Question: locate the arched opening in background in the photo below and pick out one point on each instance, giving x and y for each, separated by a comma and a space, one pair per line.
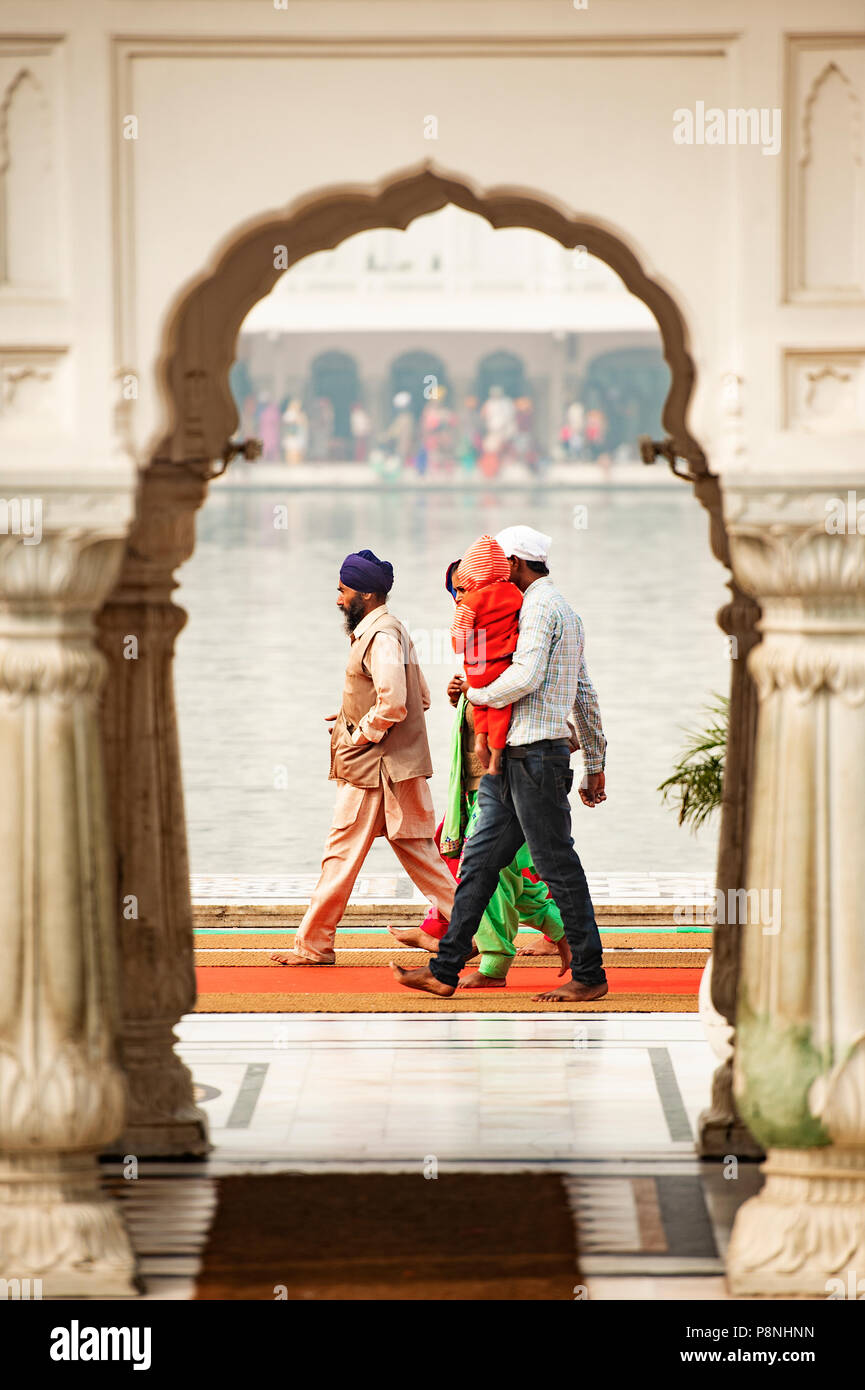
502, 369
628, 385
334, 378
420, 374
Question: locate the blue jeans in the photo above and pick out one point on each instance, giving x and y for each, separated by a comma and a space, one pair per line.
527, 801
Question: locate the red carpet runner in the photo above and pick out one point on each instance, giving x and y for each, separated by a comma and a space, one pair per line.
362, 989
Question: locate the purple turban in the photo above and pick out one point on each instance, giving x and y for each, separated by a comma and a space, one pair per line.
367, 573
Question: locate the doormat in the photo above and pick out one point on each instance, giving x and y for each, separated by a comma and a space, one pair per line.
380, 1236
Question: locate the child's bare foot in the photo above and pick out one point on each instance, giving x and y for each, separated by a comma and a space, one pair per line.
550, 948
478, 981
495, 766
544, 947
482, 749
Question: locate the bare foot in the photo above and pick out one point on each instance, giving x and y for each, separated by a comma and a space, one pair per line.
495, 766
543, 947
572, 992
482, 750
421, 979
478, 981
415, 936
564, 951
559, 948
292, 958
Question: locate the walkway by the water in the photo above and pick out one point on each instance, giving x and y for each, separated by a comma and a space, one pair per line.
303, 476
616, 888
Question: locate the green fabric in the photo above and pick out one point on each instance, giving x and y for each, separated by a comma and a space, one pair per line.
515, 900
455, 810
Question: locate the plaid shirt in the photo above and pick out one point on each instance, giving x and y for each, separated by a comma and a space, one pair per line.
547, 681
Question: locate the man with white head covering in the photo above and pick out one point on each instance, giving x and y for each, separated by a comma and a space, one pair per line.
548, 685
525, 543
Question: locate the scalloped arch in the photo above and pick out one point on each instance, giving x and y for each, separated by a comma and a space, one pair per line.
205, 320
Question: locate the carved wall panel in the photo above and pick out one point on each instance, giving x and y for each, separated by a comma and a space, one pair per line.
31, 252
825, 391
825, 195
34, 392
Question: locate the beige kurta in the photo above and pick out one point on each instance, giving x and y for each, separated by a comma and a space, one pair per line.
408, 806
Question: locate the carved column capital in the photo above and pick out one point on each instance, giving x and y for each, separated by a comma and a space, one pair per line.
809, 579
785, 541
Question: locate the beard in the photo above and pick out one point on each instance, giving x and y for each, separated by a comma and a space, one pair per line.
352, 614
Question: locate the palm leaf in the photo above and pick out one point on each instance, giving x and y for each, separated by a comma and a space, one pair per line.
697, 779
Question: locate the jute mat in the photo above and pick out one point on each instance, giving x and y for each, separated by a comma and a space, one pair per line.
460, 1236
369, 940
410, 1002
360, 915
671, 960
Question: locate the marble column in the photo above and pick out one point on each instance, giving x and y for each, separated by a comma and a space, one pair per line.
62, 1093
721, 1131
799, 1066
153, 911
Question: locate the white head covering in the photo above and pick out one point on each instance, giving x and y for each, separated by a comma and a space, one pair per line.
525, 543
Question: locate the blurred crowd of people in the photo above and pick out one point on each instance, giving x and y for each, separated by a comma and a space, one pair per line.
584, 433
285, 429
479, 437
290, 433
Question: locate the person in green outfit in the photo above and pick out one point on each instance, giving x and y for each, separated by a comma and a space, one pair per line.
520, 896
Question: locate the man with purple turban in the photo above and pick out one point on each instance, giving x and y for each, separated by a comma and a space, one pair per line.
380, 760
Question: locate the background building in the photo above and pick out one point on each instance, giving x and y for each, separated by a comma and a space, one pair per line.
453, 299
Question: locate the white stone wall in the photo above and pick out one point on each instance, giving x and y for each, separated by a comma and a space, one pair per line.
574, 104
242, 107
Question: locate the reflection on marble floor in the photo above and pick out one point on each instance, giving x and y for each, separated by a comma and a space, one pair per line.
611, 1102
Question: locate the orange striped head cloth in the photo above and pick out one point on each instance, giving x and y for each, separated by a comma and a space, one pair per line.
483, 563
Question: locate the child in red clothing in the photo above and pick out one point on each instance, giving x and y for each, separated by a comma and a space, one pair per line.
484, 632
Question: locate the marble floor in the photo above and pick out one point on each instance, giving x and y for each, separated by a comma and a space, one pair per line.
610, 1102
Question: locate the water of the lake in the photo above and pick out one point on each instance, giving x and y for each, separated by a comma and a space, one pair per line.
261, 660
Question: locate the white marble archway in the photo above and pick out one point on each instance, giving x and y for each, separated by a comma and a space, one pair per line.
138, 706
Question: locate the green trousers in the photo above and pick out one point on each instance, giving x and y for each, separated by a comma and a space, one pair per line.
515, 900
